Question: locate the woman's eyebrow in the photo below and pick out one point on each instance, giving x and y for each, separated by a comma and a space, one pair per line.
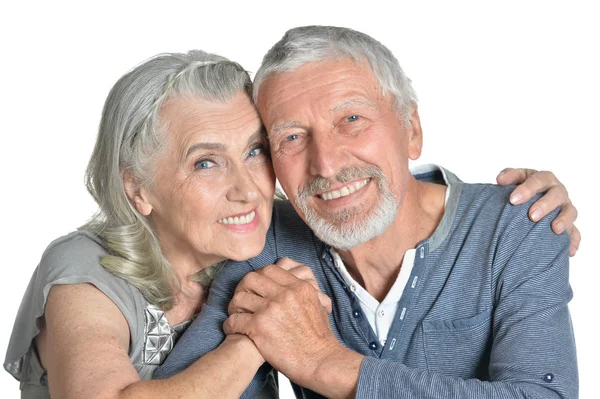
256, 136
205, 146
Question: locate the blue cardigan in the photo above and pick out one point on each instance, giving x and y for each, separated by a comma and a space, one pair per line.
484, 314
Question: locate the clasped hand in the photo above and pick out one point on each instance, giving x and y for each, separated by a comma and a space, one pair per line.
281, 309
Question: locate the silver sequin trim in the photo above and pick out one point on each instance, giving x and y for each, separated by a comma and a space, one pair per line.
159, 336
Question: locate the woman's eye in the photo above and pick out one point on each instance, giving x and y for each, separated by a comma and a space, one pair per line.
352, 118
292, 137
204, 164
256, 151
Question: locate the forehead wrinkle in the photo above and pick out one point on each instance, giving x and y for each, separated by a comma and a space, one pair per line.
177, 122
190, 130
346, 80
211, 121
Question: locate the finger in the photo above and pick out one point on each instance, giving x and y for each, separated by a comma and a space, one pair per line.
309, 290
535, 183
302, 272
287, 263
575, 240
305, 273
278, 275
238, 323
565, 219
325, 302
309, 279
555, 197
314, 283
245, 302
258, 284
513, 176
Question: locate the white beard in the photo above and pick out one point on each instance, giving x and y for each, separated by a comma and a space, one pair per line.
347, 229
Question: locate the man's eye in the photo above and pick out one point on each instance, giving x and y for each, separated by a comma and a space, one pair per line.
204, 164
292, 137
352, 118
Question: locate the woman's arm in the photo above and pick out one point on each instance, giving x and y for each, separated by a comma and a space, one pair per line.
84, 347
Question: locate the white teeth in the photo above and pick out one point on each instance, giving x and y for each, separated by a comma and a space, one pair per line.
344, 191
244, 219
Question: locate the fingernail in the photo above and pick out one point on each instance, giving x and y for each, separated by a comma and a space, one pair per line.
515, 198
536, 215
573, 251
501, 172
560, 227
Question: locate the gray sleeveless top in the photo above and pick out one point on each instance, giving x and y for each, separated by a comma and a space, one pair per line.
74, 259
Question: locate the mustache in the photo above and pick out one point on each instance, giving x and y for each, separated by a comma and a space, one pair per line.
319, 184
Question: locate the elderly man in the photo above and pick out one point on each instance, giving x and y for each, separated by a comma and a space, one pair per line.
438, 289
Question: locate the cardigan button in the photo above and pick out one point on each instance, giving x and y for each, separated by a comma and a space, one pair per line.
548, 377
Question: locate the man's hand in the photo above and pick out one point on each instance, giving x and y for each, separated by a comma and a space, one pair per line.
304, 272
284, 317
532, 182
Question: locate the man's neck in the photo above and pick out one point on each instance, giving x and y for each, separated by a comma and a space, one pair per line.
376, 263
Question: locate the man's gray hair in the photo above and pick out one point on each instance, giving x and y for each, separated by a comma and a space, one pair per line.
130, 137
306, 44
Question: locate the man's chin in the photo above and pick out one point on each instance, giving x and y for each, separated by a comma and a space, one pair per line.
344, 219
341, 235
352, 231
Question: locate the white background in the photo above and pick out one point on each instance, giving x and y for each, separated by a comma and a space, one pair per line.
510, 84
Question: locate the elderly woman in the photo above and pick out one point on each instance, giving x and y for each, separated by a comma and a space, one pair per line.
183, 181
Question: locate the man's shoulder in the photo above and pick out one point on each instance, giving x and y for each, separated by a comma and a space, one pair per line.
284, 213
487, 206
286, 223
491, 201
288, 236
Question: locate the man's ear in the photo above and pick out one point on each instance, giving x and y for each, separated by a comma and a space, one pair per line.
137, 195
415, 134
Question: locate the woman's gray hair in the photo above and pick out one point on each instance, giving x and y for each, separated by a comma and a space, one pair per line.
306, 44
129, 138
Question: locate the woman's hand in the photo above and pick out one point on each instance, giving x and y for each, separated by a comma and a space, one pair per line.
304, 272
245, 300
531, 182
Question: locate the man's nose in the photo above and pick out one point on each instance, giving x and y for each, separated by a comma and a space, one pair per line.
326, 155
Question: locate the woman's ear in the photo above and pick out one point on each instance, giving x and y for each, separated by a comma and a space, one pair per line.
136, 194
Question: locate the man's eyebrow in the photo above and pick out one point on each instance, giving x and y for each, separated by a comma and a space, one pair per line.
351, 103
287, 125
